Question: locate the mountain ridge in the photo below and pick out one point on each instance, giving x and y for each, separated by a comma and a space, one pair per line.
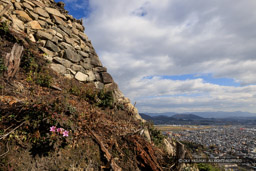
218, 114
190, 119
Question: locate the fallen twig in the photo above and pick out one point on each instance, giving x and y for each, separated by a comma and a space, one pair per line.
145, 152
6, 151
131, 133
108, 156
5, 135
55, 87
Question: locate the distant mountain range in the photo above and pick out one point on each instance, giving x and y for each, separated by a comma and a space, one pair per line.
192, 119
175, 117
218, 114
166, 119
186, 116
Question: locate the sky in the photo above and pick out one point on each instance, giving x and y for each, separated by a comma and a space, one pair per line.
176, 55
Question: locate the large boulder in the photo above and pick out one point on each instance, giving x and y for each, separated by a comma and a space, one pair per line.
66, 30
41, 12
81, 76
95, 61
84, 54
54, 11
91, 76
106, 77
35, 25
77, 68
23, 15
52, 46
43, 35
71, 55
59, 20
169, 148
62, 61
17, 24
28, 6
33, 15
58, 68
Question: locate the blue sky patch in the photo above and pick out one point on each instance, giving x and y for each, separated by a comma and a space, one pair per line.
78, 9
208, 78
140, 12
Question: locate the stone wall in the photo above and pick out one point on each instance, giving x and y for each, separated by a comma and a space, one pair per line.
61, 39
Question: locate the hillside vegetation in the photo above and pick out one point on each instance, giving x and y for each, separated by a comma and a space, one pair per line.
100, 133
59, 108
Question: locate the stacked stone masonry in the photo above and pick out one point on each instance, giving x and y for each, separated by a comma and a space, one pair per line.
60, 36
62, 40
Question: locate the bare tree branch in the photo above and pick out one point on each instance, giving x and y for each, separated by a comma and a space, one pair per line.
5, 135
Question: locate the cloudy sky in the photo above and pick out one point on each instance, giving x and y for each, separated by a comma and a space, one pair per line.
176, 55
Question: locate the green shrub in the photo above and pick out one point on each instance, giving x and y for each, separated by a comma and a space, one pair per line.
75, 90
206, 167
4, 27
35, 121
2, 67
89, 95
43, 78
36, 72
100, 98
156, 136
28, 62
106, 99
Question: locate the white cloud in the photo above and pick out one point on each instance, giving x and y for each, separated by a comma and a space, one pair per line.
139, 38
191, 95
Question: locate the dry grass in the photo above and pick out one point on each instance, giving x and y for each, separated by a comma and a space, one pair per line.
117, 129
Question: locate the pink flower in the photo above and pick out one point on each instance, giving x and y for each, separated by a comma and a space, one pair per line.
65, 133
53, 128
60, 130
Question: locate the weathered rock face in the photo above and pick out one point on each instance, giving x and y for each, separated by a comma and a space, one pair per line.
62, 40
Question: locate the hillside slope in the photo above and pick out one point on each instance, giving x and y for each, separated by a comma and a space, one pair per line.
59, 108
38, 101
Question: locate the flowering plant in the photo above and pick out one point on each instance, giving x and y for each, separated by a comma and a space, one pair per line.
59, 130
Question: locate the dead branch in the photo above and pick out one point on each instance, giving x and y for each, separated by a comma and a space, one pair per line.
145, 152
6, 151
12, 61
55, 87
108, 156
5, 135
131, 133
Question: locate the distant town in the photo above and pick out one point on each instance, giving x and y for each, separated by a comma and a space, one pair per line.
214, 138
228, 142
